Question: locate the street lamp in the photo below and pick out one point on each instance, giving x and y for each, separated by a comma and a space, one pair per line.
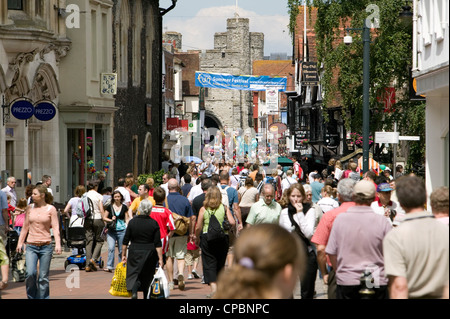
366, 85
406, 15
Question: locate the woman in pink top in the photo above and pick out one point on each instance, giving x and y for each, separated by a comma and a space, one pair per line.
39, 218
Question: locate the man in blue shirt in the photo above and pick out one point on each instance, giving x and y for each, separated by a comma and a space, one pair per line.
4, 216
316, 187
180, 205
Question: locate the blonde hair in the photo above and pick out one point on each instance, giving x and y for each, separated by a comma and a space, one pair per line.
150, 182
129, 181
330, 191
213, 198
80, 190
261, 252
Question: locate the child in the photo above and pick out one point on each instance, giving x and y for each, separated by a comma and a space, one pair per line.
192, 257
164, 218
19, 215
11, 210
327, 202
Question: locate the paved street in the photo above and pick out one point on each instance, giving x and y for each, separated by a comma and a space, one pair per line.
95, 285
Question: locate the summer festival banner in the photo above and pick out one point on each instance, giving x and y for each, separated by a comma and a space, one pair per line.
239, 82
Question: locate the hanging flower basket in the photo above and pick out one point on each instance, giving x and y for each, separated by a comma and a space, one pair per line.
357, 140
304, 141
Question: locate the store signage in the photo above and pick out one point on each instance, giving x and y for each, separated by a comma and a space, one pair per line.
301, 140
310, 74
172, 123
44, 111
22, 109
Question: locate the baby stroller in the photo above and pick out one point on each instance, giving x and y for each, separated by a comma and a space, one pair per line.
18, 268
17, 264
76, 238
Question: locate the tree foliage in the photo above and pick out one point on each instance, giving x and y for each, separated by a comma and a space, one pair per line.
342, 65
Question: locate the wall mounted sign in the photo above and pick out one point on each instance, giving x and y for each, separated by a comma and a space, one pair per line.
44, 111
108, 83
180, 108
22, 109
310, 74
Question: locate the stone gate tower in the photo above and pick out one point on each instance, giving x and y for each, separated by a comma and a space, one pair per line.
234, 52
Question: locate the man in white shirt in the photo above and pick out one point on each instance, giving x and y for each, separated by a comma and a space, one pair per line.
207, 168
165, 180
11, 190
383, 205
125, 193
288, 181
47, 181
197, 189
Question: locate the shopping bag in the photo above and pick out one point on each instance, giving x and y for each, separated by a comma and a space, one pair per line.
159, 288
119, 282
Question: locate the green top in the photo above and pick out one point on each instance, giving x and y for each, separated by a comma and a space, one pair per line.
261, 213
219, 213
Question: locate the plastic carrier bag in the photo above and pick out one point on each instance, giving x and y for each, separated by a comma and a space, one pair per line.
159, 288
119, 282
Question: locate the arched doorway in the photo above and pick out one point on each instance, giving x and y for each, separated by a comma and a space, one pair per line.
212, 124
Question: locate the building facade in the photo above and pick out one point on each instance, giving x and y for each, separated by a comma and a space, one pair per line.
86, 127
137, 51
33, 44
431, 72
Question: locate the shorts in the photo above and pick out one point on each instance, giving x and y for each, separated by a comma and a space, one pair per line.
4, 260
177, 247
192, 256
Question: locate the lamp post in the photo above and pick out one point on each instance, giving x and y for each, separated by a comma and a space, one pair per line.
366, 86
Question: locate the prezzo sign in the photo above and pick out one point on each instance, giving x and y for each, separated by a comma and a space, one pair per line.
23, 109
44, 111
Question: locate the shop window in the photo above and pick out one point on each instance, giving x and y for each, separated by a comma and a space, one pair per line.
15, 5
88, 155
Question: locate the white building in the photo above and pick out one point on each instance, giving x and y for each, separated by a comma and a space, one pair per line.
33, 42
430, 69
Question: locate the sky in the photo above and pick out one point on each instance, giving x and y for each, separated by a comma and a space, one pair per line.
199, 20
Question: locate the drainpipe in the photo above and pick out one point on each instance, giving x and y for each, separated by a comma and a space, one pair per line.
164, 11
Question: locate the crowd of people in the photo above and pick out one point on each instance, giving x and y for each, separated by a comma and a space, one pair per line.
278, 224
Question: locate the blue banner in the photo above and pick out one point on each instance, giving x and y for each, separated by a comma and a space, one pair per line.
239, 82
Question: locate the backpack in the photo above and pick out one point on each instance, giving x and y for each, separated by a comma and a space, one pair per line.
215, 230
85, 207
181, 224
225, 199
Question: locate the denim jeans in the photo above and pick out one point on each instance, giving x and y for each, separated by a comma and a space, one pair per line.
112, 237
38, 286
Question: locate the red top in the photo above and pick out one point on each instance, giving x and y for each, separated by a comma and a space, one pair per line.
164, 218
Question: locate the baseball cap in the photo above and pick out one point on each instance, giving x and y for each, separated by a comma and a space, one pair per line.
384, 187
365, 188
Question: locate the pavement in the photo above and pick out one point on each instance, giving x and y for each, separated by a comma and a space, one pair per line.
79, 284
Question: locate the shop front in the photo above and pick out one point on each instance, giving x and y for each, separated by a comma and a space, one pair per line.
86, 146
